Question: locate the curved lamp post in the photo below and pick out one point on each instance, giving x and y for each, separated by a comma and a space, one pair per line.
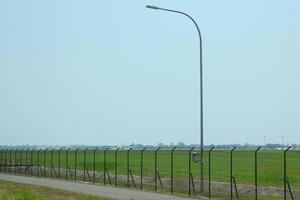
201, 89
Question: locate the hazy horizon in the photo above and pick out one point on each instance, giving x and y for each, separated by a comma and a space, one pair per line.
180, 144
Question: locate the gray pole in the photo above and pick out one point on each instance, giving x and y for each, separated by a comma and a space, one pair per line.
201, 90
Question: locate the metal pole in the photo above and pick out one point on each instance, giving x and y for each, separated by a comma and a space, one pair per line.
16, 151
38, 162
231, 193
116, 166
104, 168
172, 167
94, 166
128, 166
20, 161
1, 159
209, 171
201, 91
26, 157
51, 165
9, 153
155, 168
142, 166
45, 154
59, 153
84, 163
67, 162
255, 172
284, 170
75, 173
5, 160
31, 160
10, 161
20, 169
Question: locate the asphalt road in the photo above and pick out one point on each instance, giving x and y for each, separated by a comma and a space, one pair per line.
95, 190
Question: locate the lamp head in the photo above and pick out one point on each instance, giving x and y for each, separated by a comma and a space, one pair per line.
152, 7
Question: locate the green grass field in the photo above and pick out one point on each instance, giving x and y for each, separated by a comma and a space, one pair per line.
270, 164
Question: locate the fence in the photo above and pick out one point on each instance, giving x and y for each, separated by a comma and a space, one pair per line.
165, 170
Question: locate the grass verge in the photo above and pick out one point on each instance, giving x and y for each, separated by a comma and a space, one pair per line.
17, 191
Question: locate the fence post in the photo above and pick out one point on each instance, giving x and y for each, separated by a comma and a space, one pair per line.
45, 154
231, 193
128, 160
116, 166
209, 171
38, 162
51, 163
16, 160
8, 165
142, 167
190, 169
284, 170
20, 169
172, 167
155, 166
17, 170
75, 173
1, 159
59, 152
255, 171
29, 167
31, 162
5, 160
67, 162
16, 152
10, 161
26, 158
104, 168
84, 163
94, 166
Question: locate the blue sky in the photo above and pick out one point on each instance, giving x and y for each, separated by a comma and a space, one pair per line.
114, 72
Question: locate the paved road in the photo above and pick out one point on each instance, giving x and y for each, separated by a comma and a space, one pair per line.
95, 190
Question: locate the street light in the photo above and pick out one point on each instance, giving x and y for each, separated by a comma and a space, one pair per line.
201, 89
